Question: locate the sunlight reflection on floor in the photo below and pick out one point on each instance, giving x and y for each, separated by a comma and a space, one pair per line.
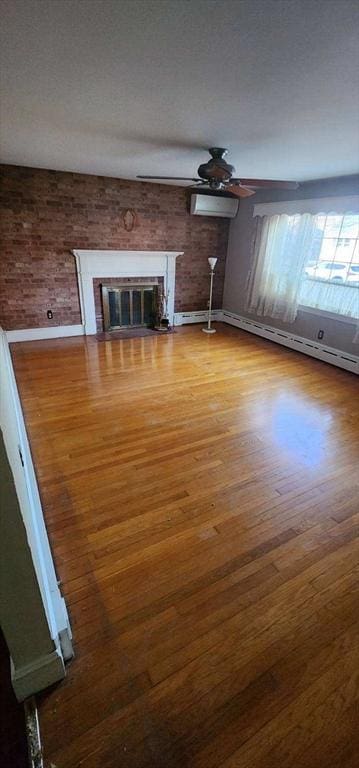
300, 428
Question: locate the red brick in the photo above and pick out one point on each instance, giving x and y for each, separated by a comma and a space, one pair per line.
46, 214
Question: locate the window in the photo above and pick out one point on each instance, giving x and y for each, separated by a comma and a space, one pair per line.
331, 275
305, 259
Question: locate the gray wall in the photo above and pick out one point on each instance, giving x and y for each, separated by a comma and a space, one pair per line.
22, 616
20, 598
337, 333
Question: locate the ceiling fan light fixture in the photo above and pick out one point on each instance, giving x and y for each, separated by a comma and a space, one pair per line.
218, 176
216, 169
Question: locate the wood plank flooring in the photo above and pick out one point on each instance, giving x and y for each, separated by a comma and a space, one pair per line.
201, 496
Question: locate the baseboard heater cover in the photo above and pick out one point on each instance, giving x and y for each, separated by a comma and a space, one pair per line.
298, 343
198, 316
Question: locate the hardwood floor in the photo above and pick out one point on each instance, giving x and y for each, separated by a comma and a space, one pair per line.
201, 496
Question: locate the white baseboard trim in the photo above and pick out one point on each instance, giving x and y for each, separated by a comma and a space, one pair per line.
200, 316
308, 347
34, 677
39, 664
52, 332
61, 331
329, 354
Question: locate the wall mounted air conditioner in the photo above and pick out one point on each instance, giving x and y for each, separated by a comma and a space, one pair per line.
210, 205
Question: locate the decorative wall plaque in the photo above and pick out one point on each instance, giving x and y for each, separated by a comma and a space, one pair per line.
129, 220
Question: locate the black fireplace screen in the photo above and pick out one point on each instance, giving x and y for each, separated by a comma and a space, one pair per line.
127, 306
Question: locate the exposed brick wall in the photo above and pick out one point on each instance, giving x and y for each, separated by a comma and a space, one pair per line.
46, 214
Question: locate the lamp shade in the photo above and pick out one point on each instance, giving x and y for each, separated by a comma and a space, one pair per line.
212, 261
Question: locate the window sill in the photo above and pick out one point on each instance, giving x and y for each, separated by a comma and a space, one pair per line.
330, 315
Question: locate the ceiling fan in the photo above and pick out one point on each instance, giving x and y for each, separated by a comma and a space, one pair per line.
217, 176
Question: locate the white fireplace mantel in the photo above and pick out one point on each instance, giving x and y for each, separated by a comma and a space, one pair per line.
102, 264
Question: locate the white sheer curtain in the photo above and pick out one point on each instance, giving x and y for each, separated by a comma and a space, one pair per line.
330, 296
305, 259
281, 250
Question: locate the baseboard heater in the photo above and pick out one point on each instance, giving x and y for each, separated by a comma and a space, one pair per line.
197, 316
298, 343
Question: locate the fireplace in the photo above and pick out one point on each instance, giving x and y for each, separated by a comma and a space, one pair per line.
126, 265
128, 306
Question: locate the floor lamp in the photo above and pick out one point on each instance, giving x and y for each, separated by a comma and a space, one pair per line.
212, 263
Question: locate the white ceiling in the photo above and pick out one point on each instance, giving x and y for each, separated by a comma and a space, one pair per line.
121, 87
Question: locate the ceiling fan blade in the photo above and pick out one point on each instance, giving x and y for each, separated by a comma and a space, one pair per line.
273, 184
170, 178
239, 191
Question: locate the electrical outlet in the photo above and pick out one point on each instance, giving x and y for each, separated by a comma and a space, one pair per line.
320, 334
49, 314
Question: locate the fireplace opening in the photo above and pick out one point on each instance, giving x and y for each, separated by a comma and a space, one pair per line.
129, 306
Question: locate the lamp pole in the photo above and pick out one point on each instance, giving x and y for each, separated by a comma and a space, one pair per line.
212, 263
